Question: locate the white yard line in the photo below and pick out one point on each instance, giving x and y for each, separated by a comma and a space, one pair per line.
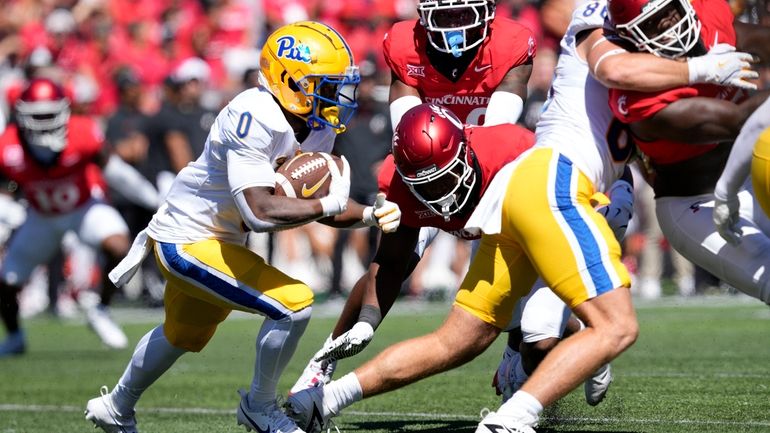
417, 415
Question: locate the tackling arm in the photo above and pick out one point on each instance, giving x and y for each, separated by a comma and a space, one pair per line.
698, 120
617, 68
373, 295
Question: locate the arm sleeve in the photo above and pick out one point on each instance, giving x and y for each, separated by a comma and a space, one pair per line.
739, 163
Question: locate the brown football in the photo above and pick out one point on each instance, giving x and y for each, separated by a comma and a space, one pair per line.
306, 175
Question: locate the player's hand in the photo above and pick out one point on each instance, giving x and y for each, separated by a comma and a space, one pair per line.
339, 189
384, 214
347, 344
726, 219
621, 208
724, 66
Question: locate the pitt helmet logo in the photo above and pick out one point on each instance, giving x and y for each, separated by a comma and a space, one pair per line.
288, 48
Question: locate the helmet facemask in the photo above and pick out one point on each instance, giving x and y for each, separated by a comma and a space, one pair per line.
333, 99
444, 191
43, 126
455, 26
646, 31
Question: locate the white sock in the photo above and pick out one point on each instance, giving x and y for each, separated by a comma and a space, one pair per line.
341, 393
276, 343
152, 357
523, 407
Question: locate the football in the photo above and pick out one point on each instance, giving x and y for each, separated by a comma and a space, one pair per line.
306, 175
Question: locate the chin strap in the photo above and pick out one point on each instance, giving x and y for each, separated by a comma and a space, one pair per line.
455, 39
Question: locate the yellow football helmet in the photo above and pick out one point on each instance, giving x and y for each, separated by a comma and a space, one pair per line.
309, 69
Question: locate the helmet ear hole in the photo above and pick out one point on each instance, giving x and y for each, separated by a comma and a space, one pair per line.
292, 85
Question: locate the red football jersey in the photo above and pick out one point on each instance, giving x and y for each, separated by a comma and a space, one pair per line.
66, 185
494, 146
629, 106
508, 44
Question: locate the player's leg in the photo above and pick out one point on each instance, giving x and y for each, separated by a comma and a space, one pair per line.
104, 229
484, 305
547, 210
34, 243
689, 228
206, 280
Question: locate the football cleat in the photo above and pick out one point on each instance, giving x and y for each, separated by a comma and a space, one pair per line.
315, 374
307, 409
596, 386
102, 413
270, 419
14, 344
109, 332
496, 423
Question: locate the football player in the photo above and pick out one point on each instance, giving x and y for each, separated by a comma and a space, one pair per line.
55, 158
686, 134
306, 95
457, 54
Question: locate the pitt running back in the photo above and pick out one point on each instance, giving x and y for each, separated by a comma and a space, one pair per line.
306, 95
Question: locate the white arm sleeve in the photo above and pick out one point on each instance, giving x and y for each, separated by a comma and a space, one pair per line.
503, 107
739, 163
401, 106
126, 180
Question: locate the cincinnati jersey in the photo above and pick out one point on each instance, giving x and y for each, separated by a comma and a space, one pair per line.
494, 146
716, 27
576, 119
508, 44
249, 139
70, 182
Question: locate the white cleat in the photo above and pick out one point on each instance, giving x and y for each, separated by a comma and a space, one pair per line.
596, 386
102, 413
270, 419
507, 380
307, 409
108, 331
315, 374
14, 344
496, 423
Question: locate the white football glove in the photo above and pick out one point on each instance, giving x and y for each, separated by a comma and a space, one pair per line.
347, 344
724, 66
621, 208
339, 189
385, 214
726, 218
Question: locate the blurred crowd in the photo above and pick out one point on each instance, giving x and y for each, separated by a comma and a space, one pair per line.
155, 72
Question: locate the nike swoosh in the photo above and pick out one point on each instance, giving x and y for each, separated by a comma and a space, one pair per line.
479, 69
254, 424
307, 192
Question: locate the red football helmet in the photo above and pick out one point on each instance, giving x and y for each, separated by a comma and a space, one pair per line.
455, 26
666, 28
42, 112
433, 159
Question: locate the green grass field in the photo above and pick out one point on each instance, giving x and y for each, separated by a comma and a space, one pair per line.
697, 367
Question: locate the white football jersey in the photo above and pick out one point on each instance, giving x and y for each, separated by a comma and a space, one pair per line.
576, 119
248, 140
